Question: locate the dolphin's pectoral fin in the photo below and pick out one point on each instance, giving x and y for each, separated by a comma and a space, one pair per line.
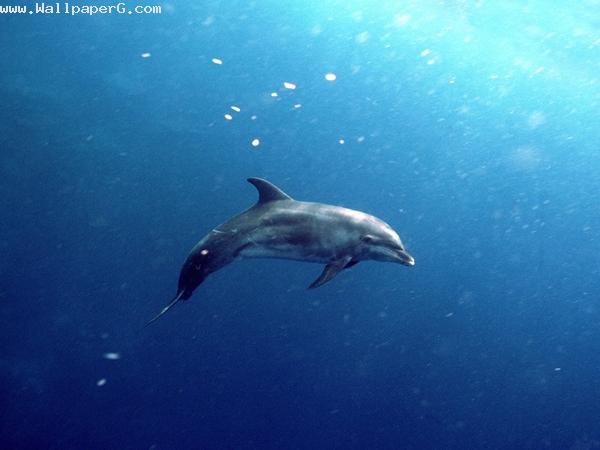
330, 271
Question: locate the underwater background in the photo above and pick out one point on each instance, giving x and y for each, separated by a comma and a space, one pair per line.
472, 127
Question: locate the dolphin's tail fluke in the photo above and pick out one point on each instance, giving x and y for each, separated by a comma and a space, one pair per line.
166, 308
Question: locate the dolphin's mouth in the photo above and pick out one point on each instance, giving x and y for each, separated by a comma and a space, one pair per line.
405, 258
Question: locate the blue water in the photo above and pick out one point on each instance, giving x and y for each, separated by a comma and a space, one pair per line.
470, 126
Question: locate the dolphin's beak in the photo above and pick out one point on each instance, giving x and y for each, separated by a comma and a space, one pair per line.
404, 258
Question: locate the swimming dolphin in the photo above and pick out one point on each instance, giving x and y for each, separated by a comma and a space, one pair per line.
278, 226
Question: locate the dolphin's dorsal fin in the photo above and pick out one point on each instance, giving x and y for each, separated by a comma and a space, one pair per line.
268, 192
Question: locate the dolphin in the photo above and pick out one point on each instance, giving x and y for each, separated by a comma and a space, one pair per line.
278, 226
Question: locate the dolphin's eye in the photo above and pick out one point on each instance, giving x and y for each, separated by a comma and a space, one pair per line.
368, 238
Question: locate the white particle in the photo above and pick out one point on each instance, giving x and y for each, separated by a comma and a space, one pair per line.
341, 141
228, 116
450, 314
330, 76
112, 355
101, 382
557, 369
253, 117
361, 38
236, 108
146, 55
425, 52
255, 142
538, 71
431, 61
217, 61
204, 252
402, 20
289, 85
360, 139
273, 94
536, 119
297, 105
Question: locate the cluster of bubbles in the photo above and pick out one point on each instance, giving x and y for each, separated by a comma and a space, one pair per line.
255, 141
